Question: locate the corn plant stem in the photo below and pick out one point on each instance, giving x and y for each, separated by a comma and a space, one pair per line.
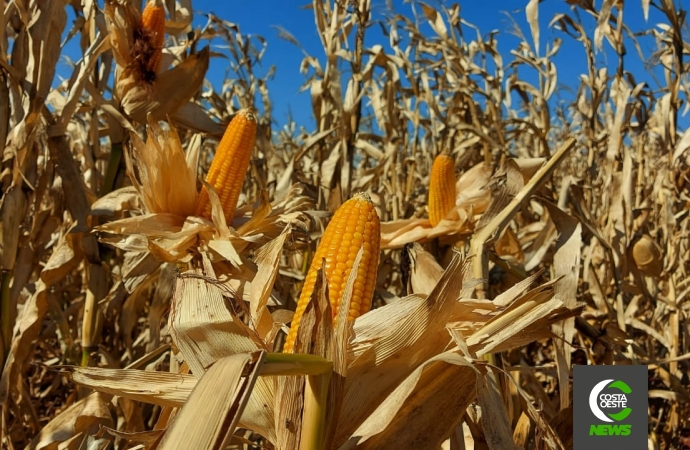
318, 372
112, 169
487, 154
78, 205
85, 358
91, 320
314, 417
4, 106
487, 235
295, 364
88, 327
5, 312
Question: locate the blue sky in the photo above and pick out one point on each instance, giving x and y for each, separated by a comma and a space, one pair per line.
261, 17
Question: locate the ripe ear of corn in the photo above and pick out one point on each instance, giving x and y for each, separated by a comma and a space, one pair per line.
153, 30
441, 188
230, 164
354, 225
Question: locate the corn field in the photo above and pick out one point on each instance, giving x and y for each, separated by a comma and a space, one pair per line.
422, 269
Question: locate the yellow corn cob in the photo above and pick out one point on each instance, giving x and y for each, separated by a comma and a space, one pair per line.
354, 225
230, 164
153, 25
441, 188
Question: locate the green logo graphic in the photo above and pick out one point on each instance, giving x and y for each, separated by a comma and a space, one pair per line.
597, 400
609, 407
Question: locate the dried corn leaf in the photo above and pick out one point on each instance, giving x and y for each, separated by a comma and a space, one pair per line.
158, 388
523, 321
12, 210
398, 233
267, 261
116, 202
567, 268
80, 420
140, 437
209, 417
194, 117
494, 419
66, 256
27, 328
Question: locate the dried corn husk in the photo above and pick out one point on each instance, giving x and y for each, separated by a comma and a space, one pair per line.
138, 92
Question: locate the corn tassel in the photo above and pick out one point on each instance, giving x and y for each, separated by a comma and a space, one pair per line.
354, 225
229, 166
153, 26
441, 188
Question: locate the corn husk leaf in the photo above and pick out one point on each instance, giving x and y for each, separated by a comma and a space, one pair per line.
471, 200
205, 330
139, 96
115, 203
421, 330
170, 91
425, 272
313, 337
446, 382
414, 326
164, 176
203, 327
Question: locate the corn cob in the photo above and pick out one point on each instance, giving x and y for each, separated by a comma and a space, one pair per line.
354, 225
230, 164
441, 188
153, 27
